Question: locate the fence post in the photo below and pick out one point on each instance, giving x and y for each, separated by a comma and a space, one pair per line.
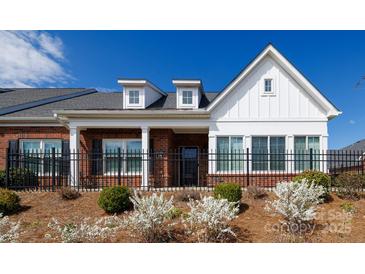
53, 168
119, 166
247, 166
7, 167
311, 159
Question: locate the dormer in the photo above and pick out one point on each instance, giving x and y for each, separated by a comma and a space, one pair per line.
139, 93
188, 93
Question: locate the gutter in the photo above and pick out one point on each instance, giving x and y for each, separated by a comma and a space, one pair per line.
128, 114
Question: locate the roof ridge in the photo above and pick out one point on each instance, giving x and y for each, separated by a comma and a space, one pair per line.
45, 101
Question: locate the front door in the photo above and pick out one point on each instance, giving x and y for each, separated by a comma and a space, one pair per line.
189, 165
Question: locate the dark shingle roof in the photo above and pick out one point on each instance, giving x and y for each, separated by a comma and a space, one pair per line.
358, 146
94, 101
19, 96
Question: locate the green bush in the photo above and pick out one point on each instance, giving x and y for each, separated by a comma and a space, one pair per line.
115, 199
317, 178
230, 191
2, 178
19, 177
9, 201
349, 185
175, 212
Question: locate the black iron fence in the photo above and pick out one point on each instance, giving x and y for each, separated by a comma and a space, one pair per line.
170, 170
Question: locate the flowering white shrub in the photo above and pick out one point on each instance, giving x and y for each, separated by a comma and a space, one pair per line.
209, 219
86, 231
296, 201
150, 216
9, 231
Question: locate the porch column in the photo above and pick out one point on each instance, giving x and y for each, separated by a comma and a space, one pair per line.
145, 152
290, 155
212, 154
74, 149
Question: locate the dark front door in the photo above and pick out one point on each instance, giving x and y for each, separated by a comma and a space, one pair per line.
189, 165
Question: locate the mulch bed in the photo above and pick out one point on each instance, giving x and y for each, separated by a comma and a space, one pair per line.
253, 225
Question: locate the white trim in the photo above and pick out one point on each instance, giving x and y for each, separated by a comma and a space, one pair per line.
271, 51
140, 83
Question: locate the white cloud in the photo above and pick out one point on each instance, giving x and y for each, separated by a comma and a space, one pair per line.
31, 58
352, 122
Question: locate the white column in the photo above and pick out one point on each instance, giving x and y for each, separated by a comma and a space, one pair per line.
290, 149
324, 148
145, 152
212, 147
74, 149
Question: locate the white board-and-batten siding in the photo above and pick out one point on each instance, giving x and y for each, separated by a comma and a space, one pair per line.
289, 111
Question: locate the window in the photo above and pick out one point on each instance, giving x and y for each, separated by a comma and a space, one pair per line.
268, 85
302, 147
133, 97
268, 153
38, 154
230, 153
187, 97
129, 161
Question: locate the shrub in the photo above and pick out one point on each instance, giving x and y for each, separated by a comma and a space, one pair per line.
20, 177
317, 178
2, 178
115, 199
9, 201
229, 191
296, 202
8, 230
186, 195
68, 193
87, 231
256, 192
149, 219
348, 185
348, 207
175, 212
208, 219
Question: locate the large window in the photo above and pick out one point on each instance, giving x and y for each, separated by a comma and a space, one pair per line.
230, 153
134, 97
129, 161
268, 153
38, 154
303, 145
187, 97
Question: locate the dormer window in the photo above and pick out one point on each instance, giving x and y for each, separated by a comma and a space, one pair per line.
268, 86
134, 97
187, 97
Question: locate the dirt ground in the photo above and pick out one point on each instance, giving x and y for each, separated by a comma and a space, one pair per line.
253, 225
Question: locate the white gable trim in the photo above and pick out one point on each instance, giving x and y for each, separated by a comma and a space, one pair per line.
331, 110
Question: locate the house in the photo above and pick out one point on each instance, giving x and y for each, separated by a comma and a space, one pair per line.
269, 106
348, 159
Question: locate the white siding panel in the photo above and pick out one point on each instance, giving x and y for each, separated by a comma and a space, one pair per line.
247, 101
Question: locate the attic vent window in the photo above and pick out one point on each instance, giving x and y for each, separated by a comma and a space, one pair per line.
268, 85
187, 97
133, 97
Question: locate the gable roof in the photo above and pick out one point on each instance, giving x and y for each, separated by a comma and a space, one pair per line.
271, 51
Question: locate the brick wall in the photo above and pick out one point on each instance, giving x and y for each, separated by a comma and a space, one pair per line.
15, 133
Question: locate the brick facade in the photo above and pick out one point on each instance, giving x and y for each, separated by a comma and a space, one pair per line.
166, 166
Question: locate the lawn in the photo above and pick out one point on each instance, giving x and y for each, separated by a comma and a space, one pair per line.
253, 224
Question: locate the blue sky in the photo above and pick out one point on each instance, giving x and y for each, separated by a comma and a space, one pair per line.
334, 61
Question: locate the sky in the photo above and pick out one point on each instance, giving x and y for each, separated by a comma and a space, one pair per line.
332, 60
